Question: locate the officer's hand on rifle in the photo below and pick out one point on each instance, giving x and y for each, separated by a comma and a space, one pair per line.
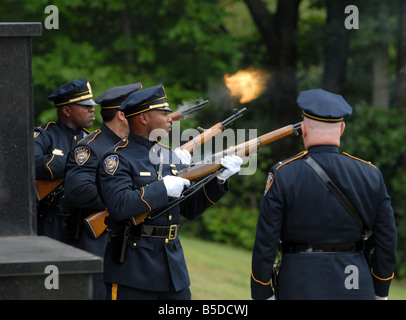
183, 155
232, 165
174, 185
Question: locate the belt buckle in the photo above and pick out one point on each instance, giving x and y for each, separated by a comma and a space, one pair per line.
173, 232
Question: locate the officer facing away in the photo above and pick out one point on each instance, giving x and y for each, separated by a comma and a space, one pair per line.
53, 142
322, 243
80, 184
137, 176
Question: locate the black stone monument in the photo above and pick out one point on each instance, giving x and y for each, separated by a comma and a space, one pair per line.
31, 267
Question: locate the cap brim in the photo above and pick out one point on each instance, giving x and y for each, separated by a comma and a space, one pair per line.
87, 102
163, 109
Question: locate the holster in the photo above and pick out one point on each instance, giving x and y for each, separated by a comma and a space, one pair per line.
368, 250
120, 233
74, 223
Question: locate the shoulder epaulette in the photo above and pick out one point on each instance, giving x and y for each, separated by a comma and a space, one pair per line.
358, 159
121, 144
163, 145
46, 125
298, 156
90, 137
42, 128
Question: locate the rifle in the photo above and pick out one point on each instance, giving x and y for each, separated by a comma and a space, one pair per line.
95, 223
45, 187
180, 114
211, 165
188, 146
191, 145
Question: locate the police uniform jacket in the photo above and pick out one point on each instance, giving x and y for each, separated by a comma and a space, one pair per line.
83, 197
81, 189
299, 208
129, 184
52, 143
80, 184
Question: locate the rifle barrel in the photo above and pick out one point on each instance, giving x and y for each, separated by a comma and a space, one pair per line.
237, 114
181, 113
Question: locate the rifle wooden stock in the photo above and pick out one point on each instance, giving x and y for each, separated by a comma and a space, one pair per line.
241, 150
45, 187
95, 223
191, 145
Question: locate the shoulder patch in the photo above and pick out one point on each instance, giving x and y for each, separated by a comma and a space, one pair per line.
358, 159
110, 164
269, 182
81, 155
298, 156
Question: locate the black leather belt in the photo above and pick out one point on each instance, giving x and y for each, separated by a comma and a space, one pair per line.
169, 232
291, 247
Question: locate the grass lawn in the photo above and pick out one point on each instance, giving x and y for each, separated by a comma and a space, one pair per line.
222, 272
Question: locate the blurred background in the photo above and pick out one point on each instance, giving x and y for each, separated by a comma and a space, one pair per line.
215, 49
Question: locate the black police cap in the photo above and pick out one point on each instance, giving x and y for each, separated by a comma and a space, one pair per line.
112, 98
153, 98
77, 91
321, 105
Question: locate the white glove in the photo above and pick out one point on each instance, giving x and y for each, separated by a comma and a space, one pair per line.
381, 298
232, 165
184, 156
174, 185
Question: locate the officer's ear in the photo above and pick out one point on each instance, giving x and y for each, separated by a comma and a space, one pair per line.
342, 128
66, 111
143, 118
120, 115
304, 129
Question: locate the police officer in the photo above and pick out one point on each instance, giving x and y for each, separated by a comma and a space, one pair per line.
53, 142
321, 242
80, 184
138, 176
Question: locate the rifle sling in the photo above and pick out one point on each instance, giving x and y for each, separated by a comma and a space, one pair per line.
343, 199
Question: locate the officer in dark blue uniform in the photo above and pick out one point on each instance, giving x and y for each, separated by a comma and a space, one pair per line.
138, 176
321, 242
53, 142
80, 183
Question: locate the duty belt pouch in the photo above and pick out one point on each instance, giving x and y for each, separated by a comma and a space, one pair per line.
119, 238
369, 243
